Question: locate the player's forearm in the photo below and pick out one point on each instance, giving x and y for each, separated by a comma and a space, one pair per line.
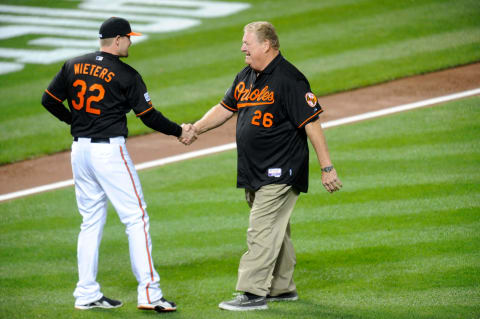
215, 117
155, 120
56, 108
317, 138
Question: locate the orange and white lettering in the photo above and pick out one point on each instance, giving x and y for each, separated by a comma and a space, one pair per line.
77, 68
81, 94
93, 98
85, 68
109, 77
97, 69
92, 69
256, 117
238, 90
255, 97
103, 73
267, 120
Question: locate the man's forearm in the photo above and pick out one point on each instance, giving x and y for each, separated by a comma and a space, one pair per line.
215, 117
317, 138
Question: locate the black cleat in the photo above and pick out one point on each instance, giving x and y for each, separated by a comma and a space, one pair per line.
103, 302
161, 305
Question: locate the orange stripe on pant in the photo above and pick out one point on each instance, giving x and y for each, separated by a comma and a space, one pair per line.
144, 223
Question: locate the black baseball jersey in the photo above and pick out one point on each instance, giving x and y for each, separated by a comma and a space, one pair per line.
273, 108
100, 90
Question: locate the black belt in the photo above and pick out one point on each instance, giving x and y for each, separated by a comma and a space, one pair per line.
96, 140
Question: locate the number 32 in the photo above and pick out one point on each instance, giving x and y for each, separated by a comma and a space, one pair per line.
93, 98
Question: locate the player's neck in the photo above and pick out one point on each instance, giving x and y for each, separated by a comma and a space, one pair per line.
110, 50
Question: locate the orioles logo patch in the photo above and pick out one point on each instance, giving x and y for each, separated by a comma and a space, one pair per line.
311, 99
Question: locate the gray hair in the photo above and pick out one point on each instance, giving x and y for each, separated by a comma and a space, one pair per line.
264, 31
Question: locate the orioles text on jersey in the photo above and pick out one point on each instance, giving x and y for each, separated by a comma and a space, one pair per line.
255, 97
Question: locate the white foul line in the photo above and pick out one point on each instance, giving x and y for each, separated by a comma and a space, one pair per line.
230, 146
401, 108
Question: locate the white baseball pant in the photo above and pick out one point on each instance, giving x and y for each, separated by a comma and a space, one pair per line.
105, 171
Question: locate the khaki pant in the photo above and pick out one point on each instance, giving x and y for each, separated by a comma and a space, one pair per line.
267, 267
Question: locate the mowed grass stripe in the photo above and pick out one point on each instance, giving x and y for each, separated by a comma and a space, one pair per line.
455, 193
322, 34
429, 151
331, 276
394, 212
415, 300
211, 241
387, 238
390, 51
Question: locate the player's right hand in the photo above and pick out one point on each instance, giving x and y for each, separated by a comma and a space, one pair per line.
189, 134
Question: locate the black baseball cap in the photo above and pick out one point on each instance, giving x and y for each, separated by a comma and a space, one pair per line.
114, 26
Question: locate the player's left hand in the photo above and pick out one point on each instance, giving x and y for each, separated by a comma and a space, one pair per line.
330, 181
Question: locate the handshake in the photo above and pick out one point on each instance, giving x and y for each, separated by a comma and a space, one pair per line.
189, 134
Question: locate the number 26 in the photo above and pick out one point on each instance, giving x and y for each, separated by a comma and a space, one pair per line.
267, 120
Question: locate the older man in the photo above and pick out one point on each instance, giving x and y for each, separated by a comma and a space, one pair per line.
276, 112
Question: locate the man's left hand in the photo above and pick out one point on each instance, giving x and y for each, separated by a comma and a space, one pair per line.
330, 181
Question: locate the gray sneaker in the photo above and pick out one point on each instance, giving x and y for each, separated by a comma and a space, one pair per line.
288, 296
242, 303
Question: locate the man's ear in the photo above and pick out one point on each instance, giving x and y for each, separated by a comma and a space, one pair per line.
266, 46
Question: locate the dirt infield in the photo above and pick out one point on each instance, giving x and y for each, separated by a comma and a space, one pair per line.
55, 168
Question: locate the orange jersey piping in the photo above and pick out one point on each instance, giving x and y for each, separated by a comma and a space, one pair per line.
228, 107
319, 111
56, 98
140, 114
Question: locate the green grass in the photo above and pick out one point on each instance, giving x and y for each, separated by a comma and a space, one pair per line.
338, 44
401, 240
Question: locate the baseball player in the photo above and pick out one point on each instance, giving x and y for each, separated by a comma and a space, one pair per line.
100, 90
276, 112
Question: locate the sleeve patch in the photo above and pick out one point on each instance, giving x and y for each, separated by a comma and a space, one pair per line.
311, 99
147, 97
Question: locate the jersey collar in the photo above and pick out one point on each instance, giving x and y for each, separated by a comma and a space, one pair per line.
108, 55
271, 66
